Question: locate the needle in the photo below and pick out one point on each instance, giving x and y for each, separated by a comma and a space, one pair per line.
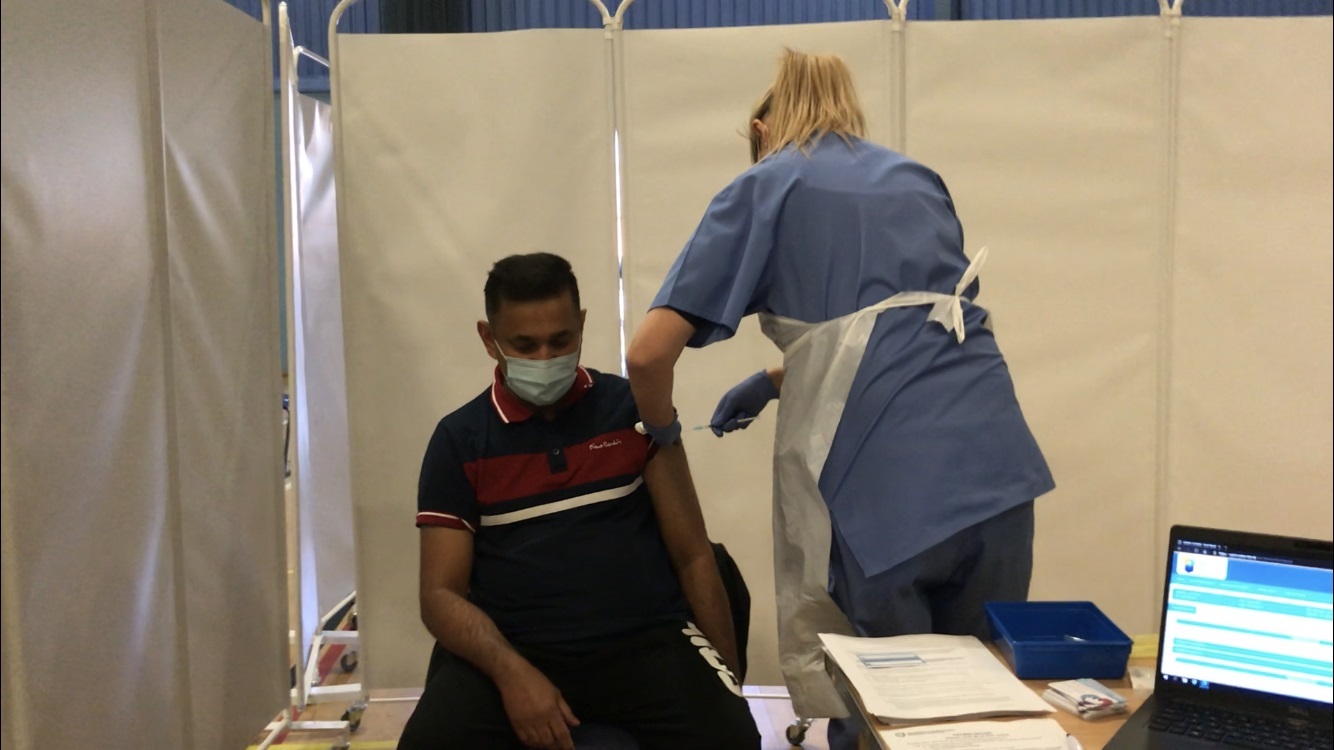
739, 422
639, 426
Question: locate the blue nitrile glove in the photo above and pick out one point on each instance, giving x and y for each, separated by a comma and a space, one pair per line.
744, 402
667, 435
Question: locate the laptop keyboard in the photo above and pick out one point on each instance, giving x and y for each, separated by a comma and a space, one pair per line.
1239, 729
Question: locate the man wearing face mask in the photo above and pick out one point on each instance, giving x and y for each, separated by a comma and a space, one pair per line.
565, 571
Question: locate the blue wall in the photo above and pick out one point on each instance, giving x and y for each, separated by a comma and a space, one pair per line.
508, 15
1012, 9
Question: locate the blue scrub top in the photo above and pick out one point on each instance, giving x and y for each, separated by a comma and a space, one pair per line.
932, 440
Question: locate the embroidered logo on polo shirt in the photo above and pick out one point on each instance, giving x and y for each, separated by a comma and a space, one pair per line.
604, 444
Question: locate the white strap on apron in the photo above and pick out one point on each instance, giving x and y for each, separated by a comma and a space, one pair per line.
949, 312
820, 361
946, 309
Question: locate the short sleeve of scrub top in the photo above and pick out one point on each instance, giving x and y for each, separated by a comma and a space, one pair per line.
724, 267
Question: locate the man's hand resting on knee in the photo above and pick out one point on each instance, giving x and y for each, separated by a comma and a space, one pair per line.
540, 716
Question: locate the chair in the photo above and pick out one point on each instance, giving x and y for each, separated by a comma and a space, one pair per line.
603, 737
738, 598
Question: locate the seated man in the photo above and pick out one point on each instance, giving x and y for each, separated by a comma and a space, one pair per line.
564, 563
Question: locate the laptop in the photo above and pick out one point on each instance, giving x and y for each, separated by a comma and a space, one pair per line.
1245, 646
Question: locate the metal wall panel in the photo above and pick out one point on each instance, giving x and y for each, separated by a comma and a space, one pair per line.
978, 10
310, 29
510, 15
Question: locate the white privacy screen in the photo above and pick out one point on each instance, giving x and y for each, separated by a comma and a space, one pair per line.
1250, 401
688, 96
82, 469
1050, 137
456, 150
218, 134
323, 478
142, 546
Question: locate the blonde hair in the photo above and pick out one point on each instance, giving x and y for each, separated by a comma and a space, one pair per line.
811, 96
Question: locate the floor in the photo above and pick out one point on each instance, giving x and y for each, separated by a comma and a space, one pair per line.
388, 710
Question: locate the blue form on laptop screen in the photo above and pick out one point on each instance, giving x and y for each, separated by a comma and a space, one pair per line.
1244, 621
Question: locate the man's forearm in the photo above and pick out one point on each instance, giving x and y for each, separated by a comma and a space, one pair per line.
703, 587
682, 523
466, 631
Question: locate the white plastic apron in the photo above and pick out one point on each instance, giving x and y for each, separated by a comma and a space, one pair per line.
819, 362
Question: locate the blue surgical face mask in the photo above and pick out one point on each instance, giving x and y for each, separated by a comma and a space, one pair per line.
541, 382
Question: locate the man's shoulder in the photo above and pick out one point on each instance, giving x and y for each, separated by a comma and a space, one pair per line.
611, 390
469, 417
612, 383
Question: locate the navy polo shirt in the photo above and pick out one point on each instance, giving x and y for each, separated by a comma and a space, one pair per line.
567, 549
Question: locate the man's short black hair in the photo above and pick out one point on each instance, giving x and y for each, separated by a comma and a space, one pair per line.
529, 278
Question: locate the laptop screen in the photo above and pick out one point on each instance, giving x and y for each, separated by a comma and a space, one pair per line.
1244, 619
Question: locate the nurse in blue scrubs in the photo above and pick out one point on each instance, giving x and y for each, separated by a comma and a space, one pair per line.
905, 472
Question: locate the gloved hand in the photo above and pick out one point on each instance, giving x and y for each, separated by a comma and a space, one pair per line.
744, 402
666, 435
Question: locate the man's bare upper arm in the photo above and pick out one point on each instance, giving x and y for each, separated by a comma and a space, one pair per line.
667, 476
446, 559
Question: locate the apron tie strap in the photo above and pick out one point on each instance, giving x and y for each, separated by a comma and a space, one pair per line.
948, 310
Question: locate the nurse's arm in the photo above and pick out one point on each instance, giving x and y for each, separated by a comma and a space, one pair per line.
651, 360
776, 374
676, 506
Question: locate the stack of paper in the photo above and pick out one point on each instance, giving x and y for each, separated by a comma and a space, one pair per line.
1087, 699
1017, 734
922, 678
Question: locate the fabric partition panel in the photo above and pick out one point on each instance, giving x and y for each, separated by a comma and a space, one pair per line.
218, 150
328, 555
92, 653
491, 145
1051, 138
687, 97
142, 545
1250, 404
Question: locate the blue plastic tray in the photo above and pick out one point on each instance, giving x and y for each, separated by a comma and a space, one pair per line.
1058, 640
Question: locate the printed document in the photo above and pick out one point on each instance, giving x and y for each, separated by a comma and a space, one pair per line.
918, 678
1021, 734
